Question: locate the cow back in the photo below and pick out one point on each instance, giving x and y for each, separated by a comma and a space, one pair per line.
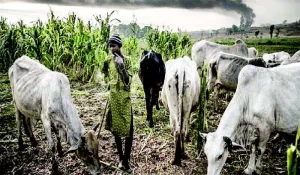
152, 68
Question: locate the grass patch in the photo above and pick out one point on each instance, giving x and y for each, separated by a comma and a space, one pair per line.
267, 45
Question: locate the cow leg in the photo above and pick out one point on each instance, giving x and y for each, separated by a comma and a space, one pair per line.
128, 146
157, 105
55, 170
172, 126
251, 165
217, 90
58, 143
28, 127
183, 155
263, 139
147, 96
153, 101
18, 119
187, 137
177, 158
58, 146
47, 126
186, 130
151, 125
156, 92
150, 106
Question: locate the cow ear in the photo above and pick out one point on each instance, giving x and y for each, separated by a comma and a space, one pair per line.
145, 52
232, 146
159, 56
237, 147
228, 143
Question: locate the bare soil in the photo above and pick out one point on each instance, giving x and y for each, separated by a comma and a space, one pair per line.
152, 150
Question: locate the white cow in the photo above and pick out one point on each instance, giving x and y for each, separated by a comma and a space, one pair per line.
203, 51
294, 59
180, 94
223, 71
264, 102
39, 93
252, 52
276, 58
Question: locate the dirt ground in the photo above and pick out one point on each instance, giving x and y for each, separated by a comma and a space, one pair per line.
152, 150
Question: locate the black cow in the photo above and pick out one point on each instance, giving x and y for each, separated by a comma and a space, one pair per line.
152, 74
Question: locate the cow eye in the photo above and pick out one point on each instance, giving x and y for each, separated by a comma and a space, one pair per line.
219, 157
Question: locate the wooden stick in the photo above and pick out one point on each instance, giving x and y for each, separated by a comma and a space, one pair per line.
111, 166
150, 134
10, 141
103, 118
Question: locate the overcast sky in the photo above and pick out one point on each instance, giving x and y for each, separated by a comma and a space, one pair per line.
266, 11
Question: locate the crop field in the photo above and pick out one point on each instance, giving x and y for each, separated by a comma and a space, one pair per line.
77, 49
267, 45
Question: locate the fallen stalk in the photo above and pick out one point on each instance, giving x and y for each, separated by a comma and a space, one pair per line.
145, 143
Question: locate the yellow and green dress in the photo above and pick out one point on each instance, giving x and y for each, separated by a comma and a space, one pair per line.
119, 113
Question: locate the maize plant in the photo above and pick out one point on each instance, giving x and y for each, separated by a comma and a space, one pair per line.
171, 45
293, 155
66, 44
202, 121
9, 47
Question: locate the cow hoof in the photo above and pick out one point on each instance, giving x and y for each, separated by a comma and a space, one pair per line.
55, 170
151, 125
176, 162
60, 154
34, 143
187, 139
256, 172
184, 156
21, 145
21, 148
248, 171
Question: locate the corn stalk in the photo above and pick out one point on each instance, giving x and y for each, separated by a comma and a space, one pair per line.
293, 155
170, 44
67, 45
202, 120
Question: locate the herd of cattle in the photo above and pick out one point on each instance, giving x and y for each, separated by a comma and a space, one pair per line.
266, 99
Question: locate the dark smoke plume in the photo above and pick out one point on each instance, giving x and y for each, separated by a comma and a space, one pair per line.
232, 5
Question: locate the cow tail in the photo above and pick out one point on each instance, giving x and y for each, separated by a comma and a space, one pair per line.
178, 136
180, 82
